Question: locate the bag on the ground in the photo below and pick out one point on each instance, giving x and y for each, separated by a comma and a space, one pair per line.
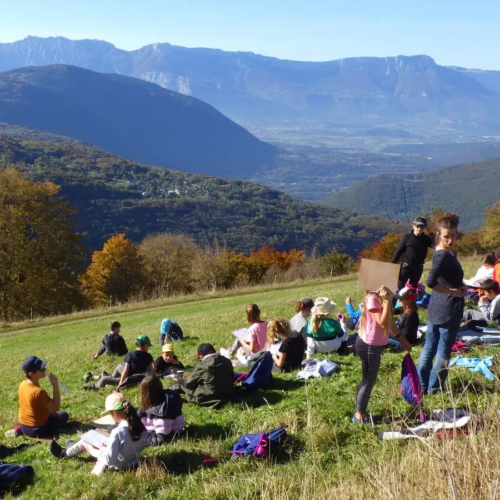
260, 376
258, 445
11, 474
318, 368
411, 389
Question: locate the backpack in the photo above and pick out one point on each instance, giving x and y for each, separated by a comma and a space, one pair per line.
260, 376
411, 390
175, 333
258, 445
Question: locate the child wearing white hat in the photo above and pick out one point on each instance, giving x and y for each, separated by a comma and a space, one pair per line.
324, 334
125, 443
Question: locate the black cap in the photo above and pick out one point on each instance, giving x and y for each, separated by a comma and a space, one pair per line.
420, 221
204, 349
33, 364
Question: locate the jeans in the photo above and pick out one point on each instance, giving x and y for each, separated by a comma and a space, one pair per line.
55, 422
439, 340
370, 356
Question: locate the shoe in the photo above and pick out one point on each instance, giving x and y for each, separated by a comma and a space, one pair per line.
90, 387
14, 432
69, 443
87, 377
365, 420
57, 450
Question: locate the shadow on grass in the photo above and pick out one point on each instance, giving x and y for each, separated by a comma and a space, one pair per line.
257, 399
16, 489
475, 386
178, 462
215, 431
74, 427
281, 384
7, 451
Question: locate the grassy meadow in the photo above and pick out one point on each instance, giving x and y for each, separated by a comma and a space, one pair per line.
326, 456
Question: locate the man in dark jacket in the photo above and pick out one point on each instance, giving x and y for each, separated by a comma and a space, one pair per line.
113, 343
211, 382
412, 252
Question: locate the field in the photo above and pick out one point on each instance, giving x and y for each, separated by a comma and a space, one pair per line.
326, 455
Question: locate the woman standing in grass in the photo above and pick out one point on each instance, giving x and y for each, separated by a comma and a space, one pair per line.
445, 308
376, 323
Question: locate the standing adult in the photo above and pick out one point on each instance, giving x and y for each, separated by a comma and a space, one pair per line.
412, 252
445, 308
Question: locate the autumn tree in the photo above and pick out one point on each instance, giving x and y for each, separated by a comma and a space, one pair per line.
337, 264
115, 274
40, 251
490, 234
168, 262
384, 249
270, 257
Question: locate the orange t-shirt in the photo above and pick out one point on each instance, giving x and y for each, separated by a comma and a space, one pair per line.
33, 401
496, 273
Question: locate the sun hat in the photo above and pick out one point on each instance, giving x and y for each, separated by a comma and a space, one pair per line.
33, 364
143, 340
114, 402
323, 306
420, 221
167, 348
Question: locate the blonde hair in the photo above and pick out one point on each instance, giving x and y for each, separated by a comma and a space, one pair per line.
362, 320
279, 327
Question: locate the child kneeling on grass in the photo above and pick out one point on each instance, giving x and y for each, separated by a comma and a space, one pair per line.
125, 443
161, 411
291, 350
376, 323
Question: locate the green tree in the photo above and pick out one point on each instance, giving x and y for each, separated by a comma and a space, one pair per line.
491, 230
115, 274
40, 252
337, 264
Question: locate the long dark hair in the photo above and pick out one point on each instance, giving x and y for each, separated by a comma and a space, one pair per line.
303, 304
151, 393
135, 426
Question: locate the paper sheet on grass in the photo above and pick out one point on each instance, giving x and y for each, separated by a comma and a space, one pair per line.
374, 274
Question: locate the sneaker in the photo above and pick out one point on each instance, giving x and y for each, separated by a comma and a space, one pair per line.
87, 377
57, 450
90, 387
14, 432
365, 420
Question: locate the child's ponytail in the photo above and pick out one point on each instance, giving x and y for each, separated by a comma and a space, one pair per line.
135, 425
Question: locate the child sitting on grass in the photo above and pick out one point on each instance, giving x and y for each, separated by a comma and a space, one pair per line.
291, 351
113, 344
125, 443
167, 363
161, 411
256, 339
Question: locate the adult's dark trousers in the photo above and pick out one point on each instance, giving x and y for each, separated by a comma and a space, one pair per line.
411, 274
370, 356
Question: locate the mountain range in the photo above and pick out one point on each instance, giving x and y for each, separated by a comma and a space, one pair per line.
116, 195
251, 88
464, 189
132, 118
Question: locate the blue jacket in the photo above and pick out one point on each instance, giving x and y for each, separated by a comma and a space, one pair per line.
355, 315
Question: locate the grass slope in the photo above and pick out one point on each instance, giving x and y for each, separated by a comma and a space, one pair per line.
464, 189
326, 457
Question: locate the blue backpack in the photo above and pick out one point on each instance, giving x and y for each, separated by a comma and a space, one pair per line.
411, 389
258, 445
260, 376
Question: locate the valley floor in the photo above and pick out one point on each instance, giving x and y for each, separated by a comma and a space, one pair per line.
326, 455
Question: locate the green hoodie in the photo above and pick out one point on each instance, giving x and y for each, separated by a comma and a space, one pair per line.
329, 329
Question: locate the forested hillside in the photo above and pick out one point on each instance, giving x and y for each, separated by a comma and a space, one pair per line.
132, 118
465, 189
116, 195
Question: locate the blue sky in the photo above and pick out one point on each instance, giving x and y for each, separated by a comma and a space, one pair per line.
454, 32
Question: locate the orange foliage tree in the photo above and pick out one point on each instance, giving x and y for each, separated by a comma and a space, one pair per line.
382, 250
270, 257
116, 272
